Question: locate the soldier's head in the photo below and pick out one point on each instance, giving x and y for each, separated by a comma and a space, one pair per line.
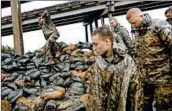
102, 40
113, 23
168, 13
135, 17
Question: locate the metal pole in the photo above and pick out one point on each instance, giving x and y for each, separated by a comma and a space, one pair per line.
91, 27
102, 21
96, 23
17, 27
86, 32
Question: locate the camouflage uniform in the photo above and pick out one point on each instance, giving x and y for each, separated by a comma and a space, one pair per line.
119, 45
120, 30
51, 34
153, 53
169, 21
109, 82
169, 10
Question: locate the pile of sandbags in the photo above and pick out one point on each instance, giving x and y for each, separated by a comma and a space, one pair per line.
29, 84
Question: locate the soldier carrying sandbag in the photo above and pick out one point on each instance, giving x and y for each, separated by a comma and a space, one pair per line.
51, 34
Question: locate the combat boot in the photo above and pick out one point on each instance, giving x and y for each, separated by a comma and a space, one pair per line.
50, 62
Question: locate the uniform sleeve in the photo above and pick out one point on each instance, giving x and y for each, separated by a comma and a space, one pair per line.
119, 45
127, 38
49, 29
164, 31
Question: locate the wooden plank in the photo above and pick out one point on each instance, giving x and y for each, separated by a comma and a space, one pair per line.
17, 27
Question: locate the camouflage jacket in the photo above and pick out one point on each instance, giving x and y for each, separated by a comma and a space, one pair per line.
119, 45
49, 29
169, 21
153, 42
120, 30
109, 83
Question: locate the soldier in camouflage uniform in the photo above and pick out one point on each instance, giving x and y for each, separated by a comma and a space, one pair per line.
123, 32
154, 37
110, 75
168, 14
51, 34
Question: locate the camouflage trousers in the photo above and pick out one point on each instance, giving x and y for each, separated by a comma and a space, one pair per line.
158, 97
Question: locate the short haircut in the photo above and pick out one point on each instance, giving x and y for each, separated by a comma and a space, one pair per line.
103, 32
113, 19
167, 11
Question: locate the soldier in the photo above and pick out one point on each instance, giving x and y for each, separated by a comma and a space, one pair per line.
154, 37
168, 14
109, 76
122, 31
51, 34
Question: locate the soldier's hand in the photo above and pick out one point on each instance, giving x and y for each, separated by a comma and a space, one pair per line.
40, 20
85, 99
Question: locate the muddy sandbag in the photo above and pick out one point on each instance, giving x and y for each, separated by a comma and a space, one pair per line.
8, 61
30, 66
53, 77
19, 77
30, 90
44, 69
68, 82
78, 79
80, 68
66, 67
5, 92
23, 83
39, 104
56, 68
40, 83
83, 45
26, 78
63, 66
76, 59
72, 66
43, 83
24, 60
33, 73
26, 102
20, 107
22, 68
8, 68
14, 95
5, 105
50, 105
37, 83
64, 75
3, 88
64, 104
77, 88
4, 56
12, 77
39, 60
59, 81
68, 52
30, 54
12, 86
46, 76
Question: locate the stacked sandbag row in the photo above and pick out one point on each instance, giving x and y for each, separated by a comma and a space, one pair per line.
30, 84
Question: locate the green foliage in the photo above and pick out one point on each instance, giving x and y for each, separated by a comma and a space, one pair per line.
6, 49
